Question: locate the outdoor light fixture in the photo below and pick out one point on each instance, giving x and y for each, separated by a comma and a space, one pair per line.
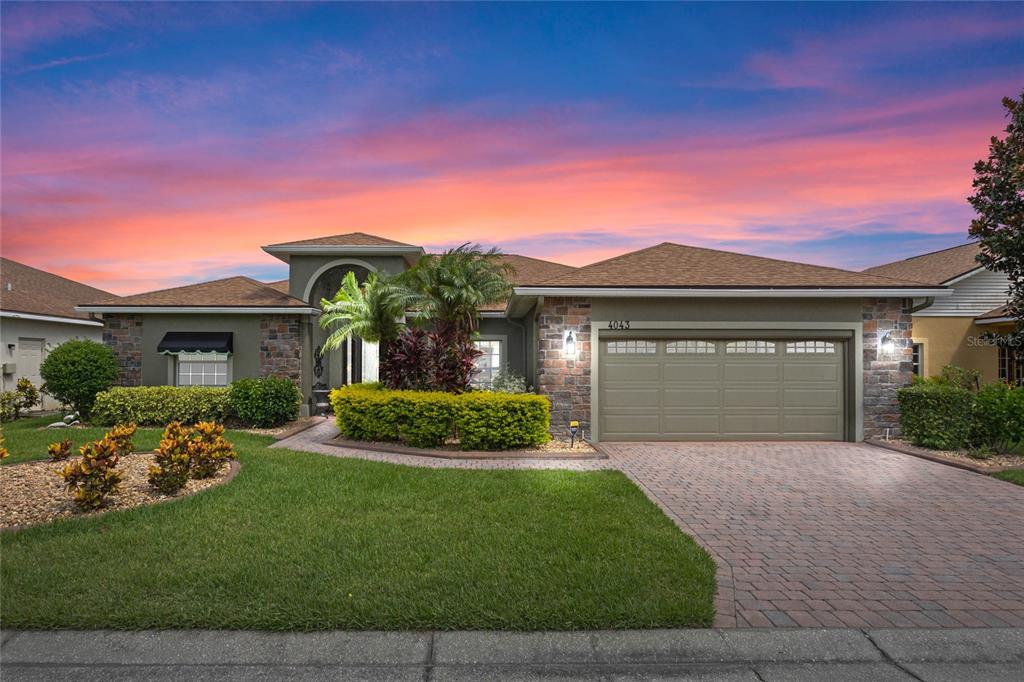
574, 428
569, 344
888, 344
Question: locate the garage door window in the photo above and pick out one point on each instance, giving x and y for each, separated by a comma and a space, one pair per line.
632, 347
690, 347
755, 347
798, 347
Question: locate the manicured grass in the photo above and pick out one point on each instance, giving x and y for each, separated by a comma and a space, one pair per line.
27, 440
1011, 475
304, 541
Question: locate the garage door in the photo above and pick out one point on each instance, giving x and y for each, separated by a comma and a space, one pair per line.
729, 389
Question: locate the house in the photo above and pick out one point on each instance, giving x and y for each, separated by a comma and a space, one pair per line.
953, 330
669, 342
37, 312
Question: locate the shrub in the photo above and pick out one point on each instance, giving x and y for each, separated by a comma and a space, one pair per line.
266, 402
160, 405
59, 451
8, 406
935, 415
173, 460
75, 371
418, 418
122, 435
952, 375
482, 419
502, 421
989, 414
26, 395
4, 453
211, 450
509, 382
92, 478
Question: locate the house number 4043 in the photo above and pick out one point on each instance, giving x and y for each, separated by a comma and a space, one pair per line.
618, 324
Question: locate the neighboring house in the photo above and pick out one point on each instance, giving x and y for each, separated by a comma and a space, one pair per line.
667, 343
37, 313
952, 330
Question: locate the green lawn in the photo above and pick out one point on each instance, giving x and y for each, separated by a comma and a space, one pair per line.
305, 541
27, 441
1011, 475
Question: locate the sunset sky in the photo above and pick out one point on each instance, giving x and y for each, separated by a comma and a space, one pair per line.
150, 145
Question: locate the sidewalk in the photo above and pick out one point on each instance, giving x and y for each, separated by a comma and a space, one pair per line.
733, 654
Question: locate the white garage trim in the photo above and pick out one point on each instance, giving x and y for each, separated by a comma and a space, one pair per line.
599, 329
50, 318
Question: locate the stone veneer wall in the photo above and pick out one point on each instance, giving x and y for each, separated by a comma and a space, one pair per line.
884, 374
281, 346
123, 333
565, 382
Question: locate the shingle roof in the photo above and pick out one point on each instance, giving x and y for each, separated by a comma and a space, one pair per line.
38, 292
232, 292
937, 267
281, 286
528, 271
1001, 311
675, 265
348, 239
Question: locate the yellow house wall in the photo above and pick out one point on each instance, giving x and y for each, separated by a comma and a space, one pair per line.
948, 341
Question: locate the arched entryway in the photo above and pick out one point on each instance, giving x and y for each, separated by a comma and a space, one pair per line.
355, 360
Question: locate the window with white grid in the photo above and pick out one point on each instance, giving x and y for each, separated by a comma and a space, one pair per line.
690, 347
202, 369
748, 346
825, 347
633, 347
488, 365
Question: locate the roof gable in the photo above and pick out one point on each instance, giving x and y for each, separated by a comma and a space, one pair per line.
231, 292
347, 239
937, 267
33, 291
669, 265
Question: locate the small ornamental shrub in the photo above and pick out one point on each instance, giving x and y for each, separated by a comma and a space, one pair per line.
936, 415
160, 405
122, 435
173, 461
59, 451
92, 478
4, 454
8, 406
26, 395
509, 382
502, 421
211, 450
75, 371
989, 414
266, 402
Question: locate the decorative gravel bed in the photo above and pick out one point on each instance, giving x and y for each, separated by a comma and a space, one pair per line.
985, 464
34, 492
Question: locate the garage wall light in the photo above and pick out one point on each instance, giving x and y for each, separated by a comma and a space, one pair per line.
569, 344
888, 344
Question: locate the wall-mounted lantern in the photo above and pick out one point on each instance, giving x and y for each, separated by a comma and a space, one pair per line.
888, 344
569, 344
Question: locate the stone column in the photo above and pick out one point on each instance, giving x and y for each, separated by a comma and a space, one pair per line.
565, 382
123, 334
281, 346
884, 373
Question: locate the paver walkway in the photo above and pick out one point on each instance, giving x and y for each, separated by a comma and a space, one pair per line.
819, 534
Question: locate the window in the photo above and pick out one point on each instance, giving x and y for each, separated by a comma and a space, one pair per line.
1011, 366
758, 347
917, 359
632, 347
202, 369
690, 347
489, 364
800, 347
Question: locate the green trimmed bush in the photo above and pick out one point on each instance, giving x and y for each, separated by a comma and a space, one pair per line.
936, 416
160, 405
502, 421
265, 402
989, 415
482, 420
76, 371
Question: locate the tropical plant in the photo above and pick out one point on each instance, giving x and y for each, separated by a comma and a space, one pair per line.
173, 460
26, 395
374, 312
92, 478
60, 450
411, 361
122, 435
211, 451
4, 453
76, 370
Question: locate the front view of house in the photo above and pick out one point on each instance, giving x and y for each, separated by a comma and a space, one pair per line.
666, 343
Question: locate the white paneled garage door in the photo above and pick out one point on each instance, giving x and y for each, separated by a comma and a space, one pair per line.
728, 389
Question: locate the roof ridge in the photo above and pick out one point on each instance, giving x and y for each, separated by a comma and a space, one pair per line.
932, 253
54, 274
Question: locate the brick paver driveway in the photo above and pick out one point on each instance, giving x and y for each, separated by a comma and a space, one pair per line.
841, 534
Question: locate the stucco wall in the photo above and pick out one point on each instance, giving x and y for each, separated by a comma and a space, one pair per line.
301, 269
514, 335
12, 329
955, 341
245, 360
728, 309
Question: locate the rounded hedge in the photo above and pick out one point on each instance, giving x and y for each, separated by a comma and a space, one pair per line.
75, 371
266, 402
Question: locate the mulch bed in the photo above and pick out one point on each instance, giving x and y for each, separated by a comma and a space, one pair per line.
957, 458
554, 449
33, 492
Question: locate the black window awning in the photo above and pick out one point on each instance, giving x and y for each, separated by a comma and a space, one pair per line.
196, 342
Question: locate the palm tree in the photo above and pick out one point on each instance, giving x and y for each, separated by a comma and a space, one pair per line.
449, 289
374, 312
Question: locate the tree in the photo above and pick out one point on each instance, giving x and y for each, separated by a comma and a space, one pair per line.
374, 312
76, 370
999, 202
